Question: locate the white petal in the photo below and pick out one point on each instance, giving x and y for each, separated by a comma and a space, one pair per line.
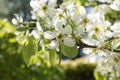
116, 27
39, 27
90, 41
115, 44
42, 1
35, 33
52, 2
108, 34
69, 42
49, 35
82, 11
67, 30
51, 12
34, 4
41, 14
115, 5
20, 19
87, 50
71, 8
80, 29
75, 17
95, 17
116, 34
59, 24
17, 20
14, 21
53, 45
107, 23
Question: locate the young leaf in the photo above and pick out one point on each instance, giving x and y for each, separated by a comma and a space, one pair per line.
29, 49
22, 28
70, 52
52, 56
83, 2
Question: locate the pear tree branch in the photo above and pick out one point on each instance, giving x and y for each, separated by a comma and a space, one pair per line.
84, 45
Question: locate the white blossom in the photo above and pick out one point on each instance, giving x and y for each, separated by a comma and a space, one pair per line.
82, 11
80, 29
115, 5
116, 29
37, 32
115, 44
17, 20
69, 23
63, 34
67, 30
49, 35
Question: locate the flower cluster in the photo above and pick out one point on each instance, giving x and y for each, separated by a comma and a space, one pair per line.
68, 26
115, 5
68, 23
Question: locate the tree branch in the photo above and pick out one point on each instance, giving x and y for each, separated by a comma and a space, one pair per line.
98, 2
84, 45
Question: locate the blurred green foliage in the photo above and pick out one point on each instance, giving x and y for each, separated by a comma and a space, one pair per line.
98, 76
12, 66
79, 69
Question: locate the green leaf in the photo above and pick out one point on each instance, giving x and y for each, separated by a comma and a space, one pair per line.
29, 49
70, 52
22, 28
52, 56
83, 2
118, 47
96, 75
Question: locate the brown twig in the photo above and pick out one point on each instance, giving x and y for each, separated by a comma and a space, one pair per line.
97, 3
84, 45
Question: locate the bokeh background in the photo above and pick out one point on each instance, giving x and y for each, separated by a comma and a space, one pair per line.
12, 65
